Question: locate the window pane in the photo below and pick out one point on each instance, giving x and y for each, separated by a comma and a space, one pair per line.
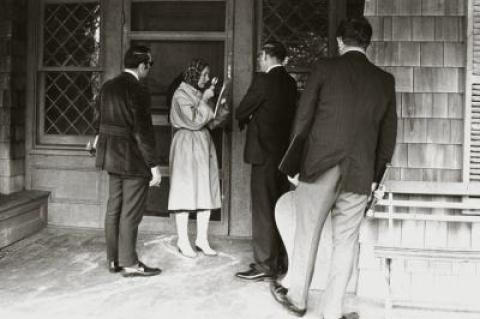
157, 202
163, 139
355, 8
301, 25
71, 34
178, 16
172, 57
69, 98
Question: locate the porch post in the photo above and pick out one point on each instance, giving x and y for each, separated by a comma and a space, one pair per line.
243, 68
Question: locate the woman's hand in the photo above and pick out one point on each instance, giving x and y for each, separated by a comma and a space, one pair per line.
210, 92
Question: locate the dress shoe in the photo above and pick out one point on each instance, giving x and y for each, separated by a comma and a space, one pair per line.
114, 267
140, 270
207, 252
351, 315
254, 274
278, 291
290, 307
188, 255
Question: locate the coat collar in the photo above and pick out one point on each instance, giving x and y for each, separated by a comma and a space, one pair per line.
354, 54
190, 89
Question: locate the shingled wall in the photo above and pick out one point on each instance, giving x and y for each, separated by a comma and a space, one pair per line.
422, 42
13, 38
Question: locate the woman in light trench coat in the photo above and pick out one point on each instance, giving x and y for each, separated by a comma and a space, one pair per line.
194, 181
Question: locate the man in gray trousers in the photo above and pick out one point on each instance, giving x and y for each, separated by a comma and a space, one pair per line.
126, 150
347, 118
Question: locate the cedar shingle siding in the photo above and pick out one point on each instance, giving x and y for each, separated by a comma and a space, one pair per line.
422, 42
12, 94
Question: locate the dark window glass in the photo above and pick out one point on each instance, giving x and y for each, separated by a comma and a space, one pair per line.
172, 57
71, 34
69, 102
301, 25
157, 202
163, 139
355, 8
178, 16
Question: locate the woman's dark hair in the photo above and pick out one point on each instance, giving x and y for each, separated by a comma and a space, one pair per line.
355, 32
193, 71
172, 87
275, 49
136, 55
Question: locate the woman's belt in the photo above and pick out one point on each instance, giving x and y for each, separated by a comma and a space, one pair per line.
115, 130
176, 129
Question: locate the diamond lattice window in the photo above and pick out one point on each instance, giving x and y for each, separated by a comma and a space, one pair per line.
71, 34
70, 70
301, 25
68, 102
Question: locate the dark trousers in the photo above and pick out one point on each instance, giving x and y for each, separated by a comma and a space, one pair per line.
267, 185
126, 202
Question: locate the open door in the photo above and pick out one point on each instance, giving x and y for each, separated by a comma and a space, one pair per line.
176, 32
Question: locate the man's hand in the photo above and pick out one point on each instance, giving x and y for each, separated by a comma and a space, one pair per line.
378, 192
156, 176
293, 180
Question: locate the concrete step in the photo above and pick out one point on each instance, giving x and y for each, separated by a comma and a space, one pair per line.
22, 214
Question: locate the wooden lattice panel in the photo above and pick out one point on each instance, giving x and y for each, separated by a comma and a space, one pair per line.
69, 102
71, 34
301, 25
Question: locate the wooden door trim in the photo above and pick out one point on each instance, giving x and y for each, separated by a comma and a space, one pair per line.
216, 227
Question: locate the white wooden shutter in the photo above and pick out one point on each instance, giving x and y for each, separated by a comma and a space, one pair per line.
472, 95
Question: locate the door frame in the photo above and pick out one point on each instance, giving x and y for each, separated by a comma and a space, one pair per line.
163, 224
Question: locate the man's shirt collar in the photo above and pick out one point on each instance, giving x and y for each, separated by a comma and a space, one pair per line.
132, 73
271, 67
354, 50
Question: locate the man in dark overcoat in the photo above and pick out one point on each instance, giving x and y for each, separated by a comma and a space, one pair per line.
125, 148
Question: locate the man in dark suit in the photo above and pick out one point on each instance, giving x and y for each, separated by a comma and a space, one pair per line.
126, 150
347, 117
268, 108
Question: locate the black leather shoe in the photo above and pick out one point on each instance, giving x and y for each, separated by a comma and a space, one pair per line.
254, 274
299, 312
140, 270
278, 291
113, 267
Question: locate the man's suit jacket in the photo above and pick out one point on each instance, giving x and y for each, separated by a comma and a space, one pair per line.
268, 107
126, 143
347, 115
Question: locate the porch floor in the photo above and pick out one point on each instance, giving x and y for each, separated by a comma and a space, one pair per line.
60, 273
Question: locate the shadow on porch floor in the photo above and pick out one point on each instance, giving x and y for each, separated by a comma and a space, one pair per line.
60, 273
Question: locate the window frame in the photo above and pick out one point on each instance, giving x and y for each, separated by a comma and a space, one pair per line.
337, 11
43, 140
159, 118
